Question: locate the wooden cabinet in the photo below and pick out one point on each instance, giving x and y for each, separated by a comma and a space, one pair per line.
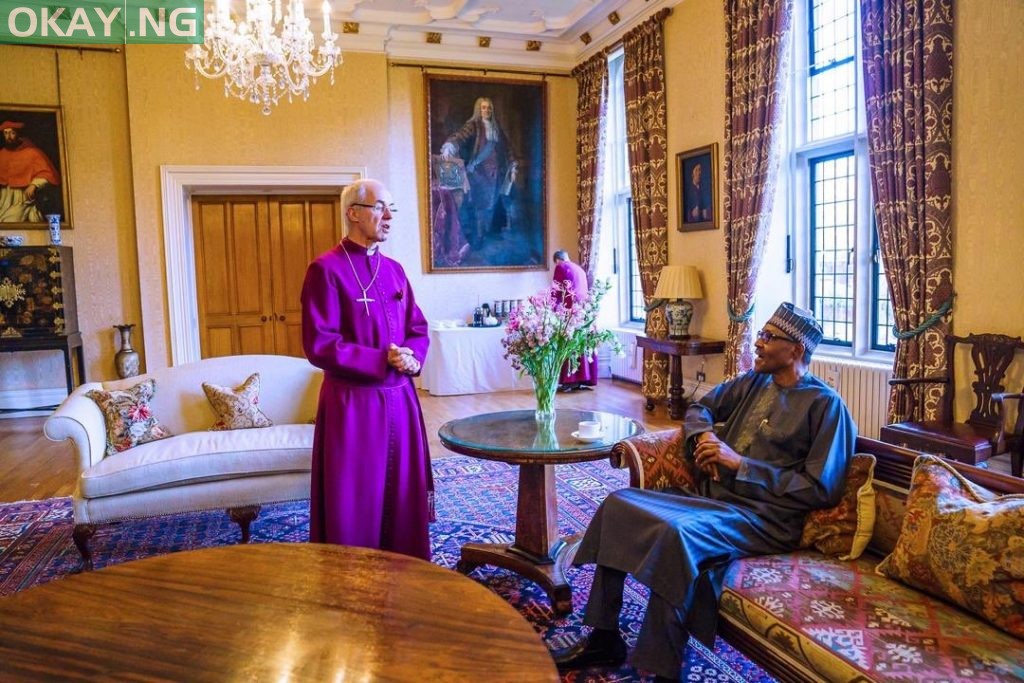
251, 255
37, 292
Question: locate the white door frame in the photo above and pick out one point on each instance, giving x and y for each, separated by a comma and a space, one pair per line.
178, 185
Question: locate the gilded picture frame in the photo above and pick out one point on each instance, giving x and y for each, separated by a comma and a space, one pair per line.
697, 188
485, 167
35, 180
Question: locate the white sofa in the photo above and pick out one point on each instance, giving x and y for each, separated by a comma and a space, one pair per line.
196, 469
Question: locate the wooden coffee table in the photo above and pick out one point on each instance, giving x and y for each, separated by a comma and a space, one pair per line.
268, 612
515, 437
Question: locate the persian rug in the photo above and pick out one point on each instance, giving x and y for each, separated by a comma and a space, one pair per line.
476, 502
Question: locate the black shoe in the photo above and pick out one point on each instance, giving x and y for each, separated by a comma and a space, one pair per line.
602, 648
584, 387
564, 388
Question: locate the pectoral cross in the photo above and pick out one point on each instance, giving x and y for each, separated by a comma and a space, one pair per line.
365, 301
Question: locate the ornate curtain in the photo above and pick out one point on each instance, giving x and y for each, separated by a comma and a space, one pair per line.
646, 137
908, 84
591, 106
758, 33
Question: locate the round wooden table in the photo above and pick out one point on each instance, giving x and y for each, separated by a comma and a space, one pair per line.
268, 612
514, 436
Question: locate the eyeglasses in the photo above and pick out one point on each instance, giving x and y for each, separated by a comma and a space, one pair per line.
767, 337
378, 207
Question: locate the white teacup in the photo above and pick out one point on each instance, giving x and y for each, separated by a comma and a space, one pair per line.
589, 429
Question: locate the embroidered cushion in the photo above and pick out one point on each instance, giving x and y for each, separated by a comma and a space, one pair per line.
128, 418
237, 408
844, 530
963, 543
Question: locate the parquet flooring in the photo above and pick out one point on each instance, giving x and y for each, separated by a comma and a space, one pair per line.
32, 467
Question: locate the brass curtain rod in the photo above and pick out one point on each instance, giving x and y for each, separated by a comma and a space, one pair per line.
75, 48
485, 70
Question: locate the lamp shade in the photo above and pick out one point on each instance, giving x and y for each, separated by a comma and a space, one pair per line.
679, 282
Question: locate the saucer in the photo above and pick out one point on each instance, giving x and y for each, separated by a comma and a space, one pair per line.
588, 439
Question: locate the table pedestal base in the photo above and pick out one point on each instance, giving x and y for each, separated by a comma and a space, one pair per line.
547, 572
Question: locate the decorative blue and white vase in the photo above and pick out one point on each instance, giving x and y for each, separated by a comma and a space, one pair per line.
54, 220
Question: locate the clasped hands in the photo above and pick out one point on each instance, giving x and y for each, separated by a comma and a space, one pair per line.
401, 359
712, 451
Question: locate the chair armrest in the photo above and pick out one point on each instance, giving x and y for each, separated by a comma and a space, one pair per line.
655, 460
998, 399
79, 419
918, 380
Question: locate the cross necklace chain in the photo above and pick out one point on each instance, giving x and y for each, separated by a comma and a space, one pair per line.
364, 300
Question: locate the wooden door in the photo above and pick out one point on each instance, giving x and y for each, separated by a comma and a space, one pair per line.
301, 228
251, 255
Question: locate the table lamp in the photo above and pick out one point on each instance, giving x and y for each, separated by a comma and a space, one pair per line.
675, 285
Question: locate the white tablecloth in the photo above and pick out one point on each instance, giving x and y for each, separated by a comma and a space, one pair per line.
468, 360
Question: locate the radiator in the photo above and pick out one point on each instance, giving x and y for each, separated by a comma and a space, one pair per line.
631, 365
864, 388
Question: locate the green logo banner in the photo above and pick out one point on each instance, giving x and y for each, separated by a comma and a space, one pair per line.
87, 22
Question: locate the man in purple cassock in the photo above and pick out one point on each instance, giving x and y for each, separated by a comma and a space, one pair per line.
371, 484
574, 280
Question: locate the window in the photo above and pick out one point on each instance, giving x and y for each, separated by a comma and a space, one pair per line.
617, 258
838, 269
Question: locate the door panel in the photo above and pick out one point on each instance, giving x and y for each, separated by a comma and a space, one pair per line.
233, 281
301, 228
251, 257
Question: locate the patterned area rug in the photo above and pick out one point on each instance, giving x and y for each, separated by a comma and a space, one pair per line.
476, 502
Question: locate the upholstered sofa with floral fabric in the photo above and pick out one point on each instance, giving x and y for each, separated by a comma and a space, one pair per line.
806, 616
203, 464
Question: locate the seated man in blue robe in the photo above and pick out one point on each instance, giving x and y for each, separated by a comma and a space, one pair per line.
781, 450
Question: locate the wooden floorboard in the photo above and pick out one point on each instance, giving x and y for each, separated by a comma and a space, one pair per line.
32, 467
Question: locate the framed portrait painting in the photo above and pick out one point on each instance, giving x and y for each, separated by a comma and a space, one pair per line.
33, 168
697, 178
485, 166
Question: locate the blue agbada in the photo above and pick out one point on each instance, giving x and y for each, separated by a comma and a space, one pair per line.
796, 443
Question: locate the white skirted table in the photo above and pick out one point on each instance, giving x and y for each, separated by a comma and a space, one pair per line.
469, 360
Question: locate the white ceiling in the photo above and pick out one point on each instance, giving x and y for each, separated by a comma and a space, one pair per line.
401, 27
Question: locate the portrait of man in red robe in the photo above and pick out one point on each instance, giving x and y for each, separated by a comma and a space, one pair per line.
30, 177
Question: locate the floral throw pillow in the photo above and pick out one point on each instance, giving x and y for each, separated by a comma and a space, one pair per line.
129, 420
845, 529
963, 543
237, 408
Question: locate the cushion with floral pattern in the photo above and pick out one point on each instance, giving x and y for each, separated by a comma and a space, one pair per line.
128, 418
237, 408
963, 543
844, 530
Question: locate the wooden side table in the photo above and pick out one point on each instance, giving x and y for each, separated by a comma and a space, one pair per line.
676, 349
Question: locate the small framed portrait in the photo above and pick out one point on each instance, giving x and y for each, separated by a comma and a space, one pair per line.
33, 168
486, 160
697, 177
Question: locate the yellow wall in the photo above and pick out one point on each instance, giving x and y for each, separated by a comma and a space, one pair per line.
988, 170
371, 118
127, 115
92, 93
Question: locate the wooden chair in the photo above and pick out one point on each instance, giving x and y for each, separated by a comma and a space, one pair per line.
983, 434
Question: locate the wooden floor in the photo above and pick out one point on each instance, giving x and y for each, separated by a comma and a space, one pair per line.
32, 467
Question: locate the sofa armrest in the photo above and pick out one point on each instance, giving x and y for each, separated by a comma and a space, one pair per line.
655, 460
79, 419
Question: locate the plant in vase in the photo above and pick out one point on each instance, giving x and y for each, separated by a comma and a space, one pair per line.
552, 328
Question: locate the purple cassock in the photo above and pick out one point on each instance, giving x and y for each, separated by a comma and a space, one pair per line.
576, 277
371, 480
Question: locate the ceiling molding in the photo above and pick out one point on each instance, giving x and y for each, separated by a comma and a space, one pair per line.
399, 29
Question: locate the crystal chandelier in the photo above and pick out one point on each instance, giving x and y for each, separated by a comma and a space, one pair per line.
267, 55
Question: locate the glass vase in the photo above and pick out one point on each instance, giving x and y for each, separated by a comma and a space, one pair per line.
545, 388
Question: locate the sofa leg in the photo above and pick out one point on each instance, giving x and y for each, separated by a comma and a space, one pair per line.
243, 516
1017, 461
81, 535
